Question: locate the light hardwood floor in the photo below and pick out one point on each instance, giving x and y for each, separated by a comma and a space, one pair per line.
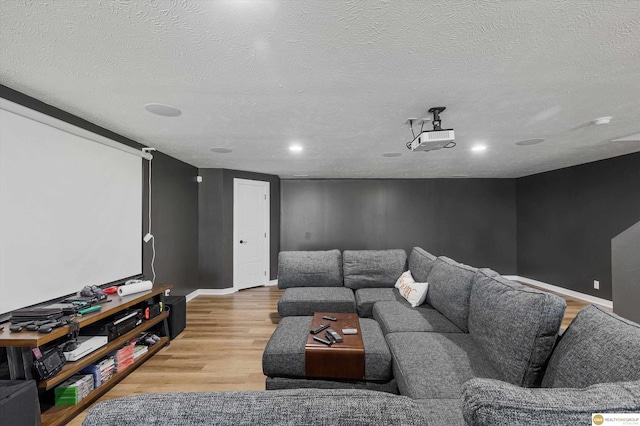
221, 347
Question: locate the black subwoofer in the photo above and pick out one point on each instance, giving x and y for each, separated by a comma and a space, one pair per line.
19, 403
177, 314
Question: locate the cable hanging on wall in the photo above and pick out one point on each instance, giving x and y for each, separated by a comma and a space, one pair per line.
149, 236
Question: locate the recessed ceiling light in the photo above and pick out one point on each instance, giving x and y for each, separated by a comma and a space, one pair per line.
602, 120
295, 148
300, 175
221, 150
163, 110
391, 154
527, 142
478, 148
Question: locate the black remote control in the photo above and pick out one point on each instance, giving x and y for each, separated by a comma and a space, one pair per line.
321, 340
334, 335
319, 328
330, 318
330, 337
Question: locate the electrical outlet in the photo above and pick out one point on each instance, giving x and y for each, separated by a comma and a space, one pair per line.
596, 284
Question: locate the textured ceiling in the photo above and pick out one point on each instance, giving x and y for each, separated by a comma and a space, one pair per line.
340, 78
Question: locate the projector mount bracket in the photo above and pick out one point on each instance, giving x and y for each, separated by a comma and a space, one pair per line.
436, 117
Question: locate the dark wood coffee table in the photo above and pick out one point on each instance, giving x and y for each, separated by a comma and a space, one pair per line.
343, 360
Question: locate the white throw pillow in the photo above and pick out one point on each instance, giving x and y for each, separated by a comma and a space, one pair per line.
415, 293
405, 278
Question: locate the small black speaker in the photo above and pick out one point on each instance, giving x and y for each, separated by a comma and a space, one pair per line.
177, 314
19, 403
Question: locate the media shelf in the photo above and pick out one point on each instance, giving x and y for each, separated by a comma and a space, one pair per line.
70, 368
60, 415
19, 347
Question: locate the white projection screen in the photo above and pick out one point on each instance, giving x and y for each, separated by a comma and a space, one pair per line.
70, 208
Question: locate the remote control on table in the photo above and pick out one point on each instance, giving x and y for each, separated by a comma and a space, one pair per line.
329, 337
334, 335
321, 340
349, 331
319, 328
330, 318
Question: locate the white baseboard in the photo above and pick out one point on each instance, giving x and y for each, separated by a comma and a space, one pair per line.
210, 292
219, 291
586, 297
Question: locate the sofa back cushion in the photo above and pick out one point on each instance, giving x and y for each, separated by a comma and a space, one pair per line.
494, 402
420, 264
516, 326
449, 290
310, 269
373, 268
597, 347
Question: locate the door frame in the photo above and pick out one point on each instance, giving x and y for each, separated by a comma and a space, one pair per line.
266, 224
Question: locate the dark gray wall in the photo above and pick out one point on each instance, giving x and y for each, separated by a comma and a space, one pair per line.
625, 264
470, 220
215, 204
567, 218
210, 229
174, 223
174, 204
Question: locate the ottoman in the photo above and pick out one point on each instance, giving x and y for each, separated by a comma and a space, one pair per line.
283, 360
304, 301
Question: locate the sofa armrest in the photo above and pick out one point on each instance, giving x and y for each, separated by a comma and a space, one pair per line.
492, 402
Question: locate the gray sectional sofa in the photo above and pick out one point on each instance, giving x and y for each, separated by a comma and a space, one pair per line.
482, 350
478, 335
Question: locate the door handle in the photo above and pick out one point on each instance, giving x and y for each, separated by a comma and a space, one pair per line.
243, 241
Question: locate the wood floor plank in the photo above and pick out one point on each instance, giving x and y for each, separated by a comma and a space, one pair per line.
221, 347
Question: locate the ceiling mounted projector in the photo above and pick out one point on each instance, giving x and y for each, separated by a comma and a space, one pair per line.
432, 140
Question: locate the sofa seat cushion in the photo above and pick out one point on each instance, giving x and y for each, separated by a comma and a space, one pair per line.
450, 289
395, 317
309, 300
310, 269
284, 354
442, 412
492, 402
373, 268
516, 326
420, 264
436, 365
597, 347
367, 297
286, 407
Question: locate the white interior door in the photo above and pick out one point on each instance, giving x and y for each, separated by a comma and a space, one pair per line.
250, 233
